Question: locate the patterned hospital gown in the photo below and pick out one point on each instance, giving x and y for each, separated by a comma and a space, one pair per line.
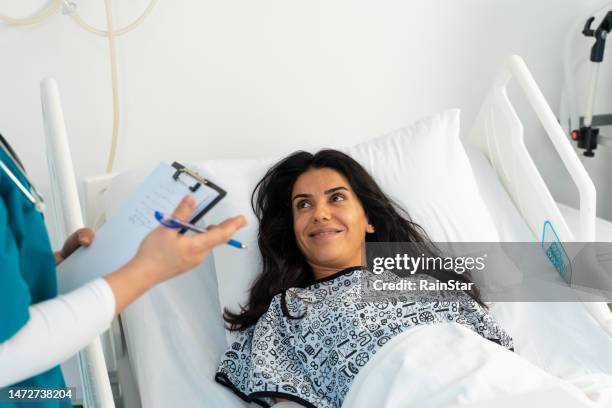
313, 360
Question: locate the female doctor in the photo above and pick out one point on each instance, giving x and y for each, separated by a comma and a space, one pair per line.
38, 328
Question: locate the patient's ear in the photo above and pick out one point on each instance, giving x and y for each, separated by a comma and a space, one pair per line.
370, 229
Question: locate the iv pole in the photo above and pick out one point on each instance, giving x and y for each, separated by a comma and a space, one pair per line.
587, 137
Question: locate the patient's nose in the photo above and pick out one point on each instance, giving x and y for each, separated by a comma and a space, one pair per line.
322, 213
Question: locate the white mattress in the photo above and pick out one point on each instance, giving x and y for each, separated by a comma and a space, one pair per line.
175, 333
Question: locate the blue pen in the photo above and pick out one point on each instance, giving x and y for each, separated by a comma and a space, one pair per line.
171, 222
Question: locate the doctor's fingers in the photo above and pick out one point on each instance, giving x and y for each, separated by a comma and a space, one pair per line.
218, 234
81, 237
85, 236
185, 208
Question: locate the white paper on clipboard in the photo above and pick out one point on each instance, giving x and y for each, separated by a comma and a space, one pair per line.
117, 241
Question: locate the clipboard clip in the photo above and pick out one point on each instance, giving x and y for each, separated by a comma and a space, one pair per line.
180, 169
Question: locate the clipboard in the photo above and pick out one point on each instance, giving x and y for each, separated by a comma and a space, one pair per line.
118, 239
200, 182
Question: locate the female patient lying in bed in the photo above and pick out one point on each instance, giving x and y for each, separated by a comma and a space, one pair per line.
304, 333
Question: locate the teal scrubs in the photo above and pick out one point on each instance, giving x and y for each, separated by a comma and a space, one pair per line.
27, 271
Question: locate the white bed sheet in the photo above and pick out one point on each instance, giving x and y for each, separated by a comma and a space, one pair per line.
448, 365
175, 336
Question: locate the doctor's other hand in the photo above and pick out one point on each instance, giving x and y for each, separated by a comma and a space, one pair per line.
79, 238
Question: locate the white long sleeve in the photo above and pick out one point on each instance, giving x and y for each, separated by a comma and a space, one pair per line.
57, 329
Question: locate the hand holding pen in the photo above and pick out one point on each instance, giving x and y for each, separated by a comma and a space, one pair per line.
169, 221
164, 254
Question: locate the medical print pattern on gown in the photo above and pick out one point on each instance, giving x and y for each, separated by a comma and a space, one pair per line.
317, 357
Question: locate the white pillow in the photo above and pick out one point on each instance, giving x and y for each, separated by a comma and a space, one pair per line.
423, 167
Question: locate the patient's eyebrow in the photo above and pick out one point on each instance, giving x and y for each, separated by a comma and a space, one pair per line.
331, 190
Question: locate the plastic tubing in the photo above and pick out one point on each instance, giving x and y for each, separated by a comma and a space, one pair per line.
113, 62
55, 5
111, 34
51, 9
118, 32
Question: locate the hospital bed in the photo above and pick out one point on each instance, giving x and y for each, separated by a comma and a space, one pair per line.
160, 338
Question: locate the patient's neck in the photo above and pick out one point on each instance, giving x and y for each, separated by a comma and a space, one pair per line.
320, 271
323, 272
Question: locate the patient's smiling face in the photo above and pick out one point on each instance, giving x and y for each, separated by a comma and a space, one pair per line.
328, 220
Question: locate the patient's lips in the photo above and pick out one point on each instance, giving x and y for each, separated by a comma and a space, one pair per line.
325, 233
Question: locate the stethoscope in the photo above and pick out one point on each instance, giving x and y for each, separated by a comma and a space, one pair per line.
31, 193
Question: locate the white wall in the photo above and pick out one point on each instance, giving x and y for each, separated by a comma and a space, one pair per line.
242, 78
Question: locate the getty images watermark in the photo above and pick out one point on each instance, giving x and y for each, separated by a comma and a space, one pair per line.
403, 264
498, 271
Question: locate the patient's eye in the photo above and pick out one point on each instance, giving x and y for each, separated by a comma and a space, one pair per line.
338, 197
303, 204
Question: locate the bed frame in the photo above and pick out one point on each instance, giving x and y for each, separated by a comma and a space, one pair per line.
68, 218
497, 132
